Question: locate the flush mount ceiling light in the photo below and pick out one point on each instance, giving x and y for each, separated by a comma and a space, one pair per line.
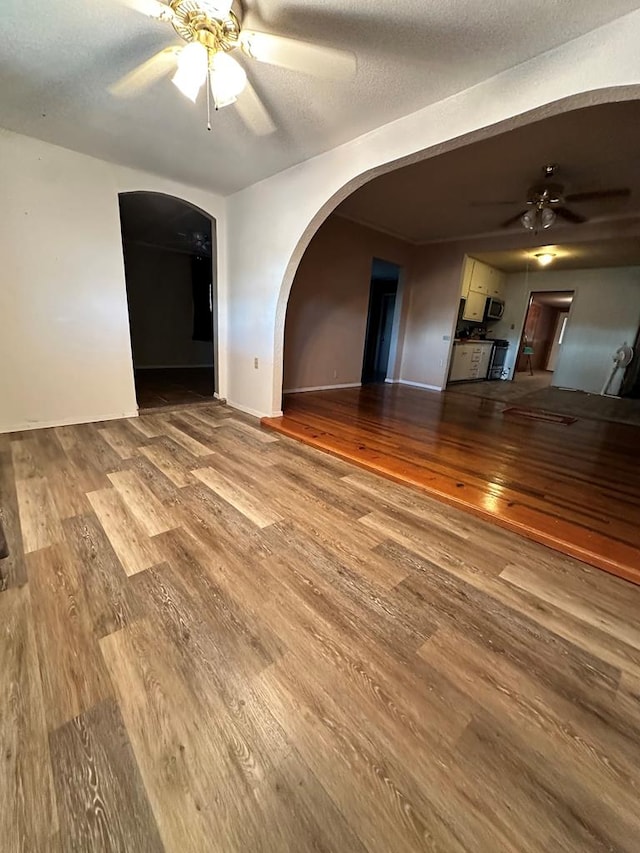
545, 258
212, 30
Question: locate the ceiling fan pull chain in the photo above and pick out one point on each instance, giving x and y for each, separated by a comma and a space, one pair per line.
208, 97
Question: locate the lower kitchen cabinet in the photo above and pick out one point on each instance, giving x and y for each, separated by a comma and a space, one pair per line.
470, 361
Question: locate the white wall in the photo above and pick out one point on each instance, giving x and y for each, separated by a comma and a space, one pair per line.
271, 222
433, 293
605, 313
65, 354
64, 343
159, 289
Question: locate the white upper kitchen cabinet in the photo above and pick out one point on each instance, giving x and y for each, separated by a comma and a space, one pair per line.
496, 281
467, 275
487, 280
474, 307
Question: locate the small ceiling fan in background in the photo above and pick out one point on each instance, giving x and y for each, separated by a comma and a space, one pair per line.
211, 30
197, 241
546, 201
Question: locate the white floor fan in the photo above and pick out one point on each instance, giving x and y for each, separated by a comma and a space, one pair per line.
621, 360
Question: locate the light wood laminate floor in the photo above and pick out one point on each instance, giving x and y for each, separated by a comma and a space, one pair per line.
217, 639
575, 488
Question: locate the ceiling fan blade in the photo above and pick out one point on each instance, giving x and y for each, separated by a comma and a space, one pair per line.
313, 59
150, 8
254, 113
147, 74
570, 215
513, 219
491, 203
623, 192
216, 8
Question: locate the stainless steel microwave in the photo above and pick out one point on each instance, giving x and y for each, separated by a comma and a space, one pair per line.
494, 309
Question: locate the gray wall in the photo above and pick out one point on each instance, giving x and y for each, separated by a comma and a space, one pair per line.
161, 309
327, 312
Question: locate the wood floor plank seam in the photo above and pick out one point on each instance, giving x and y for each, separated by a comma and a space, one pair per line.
214, 638
405, 435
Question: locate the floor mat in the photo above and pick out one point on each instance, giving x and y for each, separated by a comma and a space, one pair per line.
537, 415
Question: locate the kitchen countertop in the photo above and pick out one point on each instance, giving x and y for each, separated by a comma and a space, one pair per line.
470, 341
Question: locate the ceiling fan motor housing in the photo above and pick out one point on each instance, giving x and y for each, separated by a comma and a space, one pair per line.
192, 23
542, 195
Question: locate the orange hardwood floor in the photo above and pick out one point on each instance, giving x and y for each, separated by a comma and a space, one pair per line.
574, 488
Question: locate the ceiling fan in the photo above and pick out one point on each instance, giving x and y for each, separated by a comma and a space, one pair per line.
546, 201
197, 241
211, 30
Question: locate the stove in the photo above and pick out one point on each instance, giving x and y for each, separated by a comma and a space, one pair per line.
498, 359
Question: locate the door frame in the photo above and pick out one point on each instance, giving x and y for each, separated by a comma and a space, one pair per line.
214, 282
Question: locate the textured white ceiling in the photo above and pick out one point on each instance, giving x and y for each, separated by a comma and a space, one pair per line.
58, 58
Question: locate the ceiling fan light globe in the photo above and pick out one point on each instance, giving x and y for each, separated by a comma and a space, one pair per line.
547, 217
192, 70
228, 79
528, 219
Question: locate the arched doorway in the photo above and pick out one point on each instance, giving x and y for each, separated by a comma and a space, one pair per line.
466, 209
473, 187
169, 248
351, 180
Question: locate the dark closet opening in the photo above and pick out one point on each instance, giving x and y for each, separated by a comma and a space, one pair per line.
168, 248
382, 303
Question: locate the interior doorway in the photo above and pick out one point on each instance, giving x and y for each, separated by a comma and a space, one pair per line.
542, 337
169, 260
631, 381
385, 277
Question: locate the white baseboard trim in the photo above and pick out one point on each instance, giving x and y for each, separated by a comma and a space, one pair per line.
422, 385
62, 422
253, 412
172, 366
322, 388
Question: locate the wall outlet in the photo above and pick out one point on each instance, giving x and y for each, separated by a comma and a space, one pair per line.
256, 363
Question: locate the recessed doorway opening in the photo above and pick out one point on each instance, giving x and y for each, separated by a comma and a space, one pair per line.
385, 279
543, 333
169, 258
